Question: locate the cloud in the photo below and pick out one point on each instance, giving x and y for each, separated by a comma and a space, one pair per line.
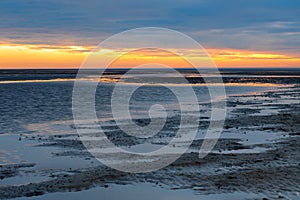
256, 24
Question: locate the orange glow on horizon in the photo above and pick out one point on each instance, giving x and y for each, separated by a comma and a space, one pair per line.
18, 56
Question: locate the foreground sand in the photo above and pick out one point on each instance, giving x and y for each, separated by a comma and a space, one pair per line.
243, 160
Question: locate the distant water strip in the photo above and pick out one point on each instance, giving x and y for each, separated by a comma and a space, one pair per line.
113, 80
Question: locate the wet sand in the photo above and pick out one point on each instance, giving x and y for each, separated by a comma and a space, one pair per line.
258, 153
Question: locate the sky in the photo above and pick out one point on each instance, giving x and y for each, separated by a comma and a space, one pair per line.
235, 33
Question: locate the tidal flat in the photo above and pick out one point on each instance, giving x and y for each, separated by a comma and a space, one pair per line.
256, 157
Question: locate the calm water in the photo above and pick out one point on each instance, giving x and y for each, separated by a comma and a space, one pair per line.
37, 101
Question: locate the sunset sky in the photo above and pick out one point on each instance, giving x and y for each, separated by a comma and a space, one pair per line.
236, 33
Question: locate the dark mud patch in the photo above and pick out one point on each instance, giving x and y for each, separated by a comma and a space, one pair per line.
10, 170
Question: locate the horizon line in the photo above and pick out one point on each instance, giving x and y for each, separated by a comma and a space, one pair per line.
124, 68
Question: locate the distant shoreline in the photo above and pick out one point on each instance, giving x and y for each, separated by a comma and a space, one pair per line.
249, 71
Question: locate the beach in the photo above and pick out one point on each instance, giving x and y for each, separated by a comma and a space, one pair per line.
256, 157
